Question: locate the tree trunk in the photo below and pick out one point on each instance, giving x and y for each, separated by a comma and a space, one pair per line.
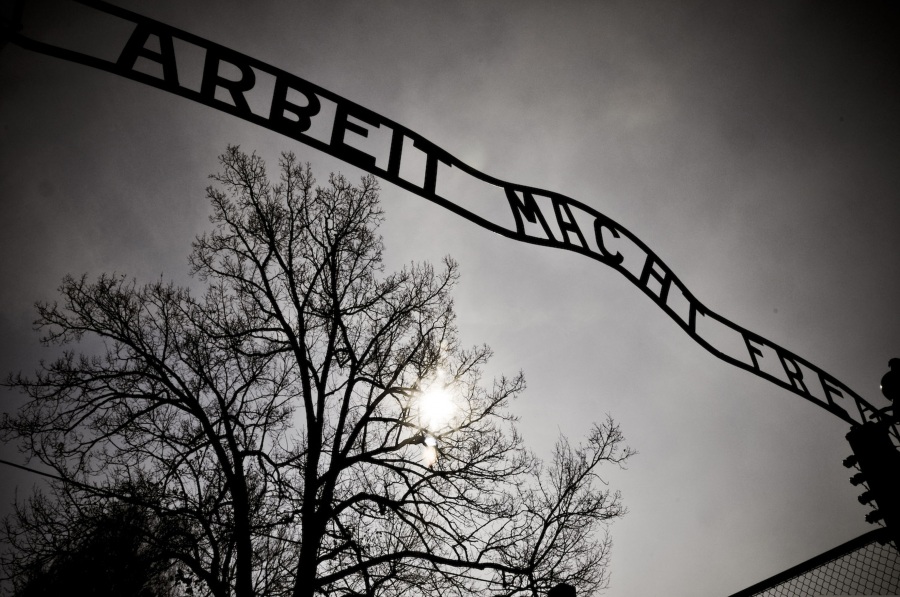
305, 582
244, 544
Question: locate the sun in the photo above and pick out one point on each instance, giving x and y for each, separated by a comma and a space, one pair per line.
436, 407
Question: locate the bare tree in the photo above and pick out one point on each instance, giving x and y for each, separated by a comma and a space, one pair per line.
311, 424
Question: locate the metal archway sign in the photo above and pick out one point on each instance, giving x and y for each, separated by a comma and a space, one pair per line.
296, 108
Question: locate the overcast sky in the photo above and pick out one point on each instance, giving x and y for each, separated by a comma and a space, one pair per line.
752, 145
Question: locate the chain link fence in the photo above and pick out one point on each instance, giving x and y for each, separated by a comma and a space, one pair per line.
867, 565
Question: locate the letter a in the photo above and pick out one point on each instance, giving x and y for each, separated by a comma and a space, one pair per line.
136, 47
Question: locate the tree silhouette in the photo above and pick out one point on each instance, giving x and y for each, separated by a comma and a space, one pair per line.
86, 547
311, 424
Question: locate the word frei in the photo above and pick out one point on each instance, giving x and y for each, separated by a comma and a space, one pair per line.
181, 63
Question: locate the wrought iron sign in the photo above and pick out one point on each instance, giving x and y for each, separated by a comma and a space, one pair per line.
156, 54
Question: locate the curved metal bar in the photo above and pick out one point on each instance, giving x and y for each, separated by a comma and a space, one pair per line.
526, 214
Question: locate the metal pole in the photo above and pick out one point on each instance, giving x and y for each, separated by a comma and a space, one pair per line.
879, 465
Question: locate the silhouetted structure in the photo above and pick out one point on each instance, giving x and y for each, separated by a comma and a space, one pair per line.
879, 473
294, 121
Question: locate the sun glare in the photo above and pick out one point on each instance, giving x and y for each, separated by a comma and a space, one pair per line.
437, 410
429, 455
436, 406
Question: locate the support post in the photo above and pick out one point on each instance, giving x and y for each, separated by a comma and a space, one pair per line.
878, 461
